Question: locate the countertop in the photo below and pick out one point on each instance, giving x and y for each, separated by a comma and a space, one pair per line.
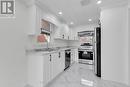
50, 50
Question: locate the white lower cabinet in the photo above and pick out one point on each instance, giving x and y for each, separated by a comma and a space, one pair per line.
61, 61
47, 68
42, 68
58, 63
54, 63
35, 70
72, 55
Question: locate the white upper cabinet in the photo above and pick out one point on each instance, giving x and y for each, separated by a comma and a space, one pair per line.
58, 33
73, 34
35, 15
39, 17
62, 32
36, 12
66, 32
32, 19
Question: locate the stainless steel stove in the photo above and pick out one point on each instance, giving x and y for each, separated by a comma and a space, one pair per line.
86, 54
86, 47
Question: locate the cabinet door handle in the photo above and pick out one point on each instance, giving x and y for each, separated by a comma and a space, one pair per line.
50, 57
63, 36
59, 54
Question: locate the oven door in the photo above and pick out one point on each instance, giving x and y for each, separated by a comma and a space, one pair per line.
86, 55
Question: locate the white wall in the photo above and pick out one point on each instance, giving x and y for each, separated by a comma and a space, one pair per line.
12, 52
129, 3
114, 52
129, 42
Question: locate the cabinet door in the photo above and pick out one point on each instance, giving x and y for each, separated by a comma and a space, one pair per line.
66, 32
61, 62
62, 32
38, 19
57, 33
76, 36
35, 70
54, 64
32, 20
72, 55
35, 15
47, 68
76, 54
71, 35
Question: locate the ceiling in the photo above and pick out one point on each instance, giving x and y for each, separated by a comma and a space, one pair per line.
74, 11
77, 11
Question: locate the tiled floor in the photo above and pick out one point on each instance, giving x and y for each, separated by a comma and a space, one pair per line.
81, 75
